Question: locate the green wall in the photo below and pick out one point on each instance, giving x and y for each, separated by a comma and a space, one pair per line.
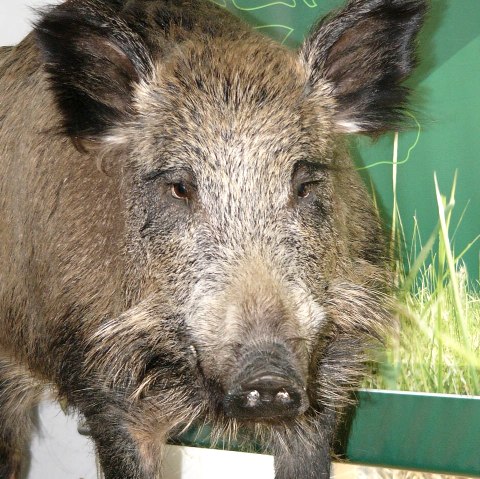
446, 104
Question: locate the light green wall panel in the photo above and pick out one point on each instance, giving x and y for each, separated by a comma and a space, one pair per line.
446, 103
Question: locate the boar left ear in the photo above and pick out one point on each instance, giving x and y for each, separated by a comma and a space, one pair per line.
93, 59
361, 54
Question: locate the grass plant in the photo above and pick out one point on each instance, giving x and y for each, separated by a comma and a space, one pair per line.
437, 348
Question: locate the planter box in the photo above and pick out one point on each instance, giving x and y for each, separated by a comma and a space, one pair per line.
429, 432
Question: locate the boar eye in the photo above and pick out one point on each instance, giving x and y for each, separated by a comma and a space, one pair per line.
180, 191
303, 190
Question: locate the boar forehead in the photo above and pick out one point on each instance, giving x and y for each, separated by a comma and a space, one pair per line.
230, 107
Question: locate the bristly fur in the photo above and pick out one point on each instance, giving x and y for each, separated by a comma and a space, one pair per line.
231, 231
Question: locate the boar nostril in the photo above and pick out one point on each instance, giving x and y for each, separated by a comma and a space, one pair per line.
283, 397
253, 397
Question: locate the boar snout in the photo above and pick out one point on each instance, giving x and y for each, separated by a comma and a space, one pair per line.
267, 386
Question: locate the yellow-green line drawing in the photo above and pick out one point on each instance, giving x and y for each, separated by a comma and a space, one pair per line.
277, 27
220, 3
289, 4
402, 162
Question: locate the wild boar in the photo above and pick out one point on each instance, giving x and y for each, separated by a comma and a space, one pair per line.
183, 236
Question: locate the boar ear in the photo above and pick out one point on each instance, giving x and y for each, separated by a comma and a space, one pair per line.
362, 53
93, 60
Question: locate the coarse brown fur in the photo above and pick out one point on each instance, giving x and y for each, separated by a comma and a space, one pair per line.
176, 197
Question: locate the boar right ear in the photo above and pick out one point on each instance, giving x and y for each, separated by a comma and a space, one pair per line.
93, 60
360, 55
